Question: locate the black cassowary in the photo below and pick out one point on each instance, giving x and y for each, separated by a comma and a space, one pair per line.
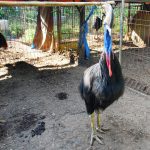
97, 24
102, 83
3, 42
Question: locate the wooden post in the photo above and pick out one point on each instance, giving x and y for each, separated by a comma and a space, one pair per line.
58, 27
82, 19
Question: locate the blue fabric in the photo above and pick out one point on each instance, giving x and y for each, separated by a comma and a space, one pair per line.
84, 34
107, 42
32, 46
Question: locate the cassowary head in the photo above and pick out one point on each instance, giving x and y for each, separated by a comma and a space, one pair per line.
108, 23
3, 42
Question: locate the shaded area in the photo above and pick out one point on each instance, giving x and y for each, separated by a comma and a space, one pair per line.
28, 121
3, 131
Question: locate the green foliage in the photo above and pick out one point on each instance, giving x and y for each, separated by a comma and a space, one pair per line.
22, 21
9, 12
2, 13
16, 29
28, 35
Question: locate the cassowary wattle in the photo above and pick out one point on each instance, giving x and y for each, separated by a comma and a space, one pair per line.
108, 49
108, 22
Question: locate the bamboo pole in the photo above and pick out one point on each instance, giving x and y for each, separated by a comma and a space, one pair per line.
121, 29
44, 4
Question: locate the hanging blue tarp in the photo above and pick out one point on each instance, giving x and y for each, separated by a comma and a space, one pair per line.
84, 34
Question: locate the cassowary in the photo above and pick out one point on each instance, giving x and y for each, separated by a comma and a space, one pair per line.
102, 83
3, 42
97, 24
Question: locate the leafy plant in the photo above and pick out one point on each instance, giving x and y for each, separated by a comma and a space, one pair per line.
28, 35
16, 30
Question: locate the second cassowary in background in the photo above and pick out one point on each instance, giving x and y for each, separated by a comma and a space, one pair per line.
3, 42
102, 83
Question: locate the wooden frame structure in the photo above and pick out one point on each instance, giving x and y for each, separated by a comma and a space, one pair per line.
62, 3
51, 3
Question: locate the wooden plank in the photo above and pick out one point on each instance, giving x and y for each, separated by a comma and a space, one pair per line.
44, 4
133, 1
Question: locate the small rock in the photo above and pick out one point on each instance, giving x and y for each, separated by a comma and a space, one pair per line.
39, 129
53, 115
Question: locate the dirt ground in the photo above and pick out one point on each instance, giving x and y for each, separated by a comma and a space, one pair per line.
32, 92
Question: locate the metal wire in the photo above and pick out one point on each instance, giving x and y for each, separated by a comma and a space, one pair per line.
20, 26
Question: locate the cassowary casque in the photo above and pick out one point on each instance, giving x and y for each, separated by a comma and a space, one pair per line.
102, 83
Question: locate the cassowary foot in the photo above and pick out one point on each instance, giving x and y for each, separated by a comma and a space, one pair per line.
102, 130
97, 138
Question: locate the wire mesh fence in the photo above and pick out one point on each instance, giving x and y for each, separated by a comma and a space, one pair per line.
136, 56
19, 24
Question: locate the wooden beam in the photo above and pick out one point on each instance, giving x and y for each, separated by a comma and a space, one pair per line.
43, 4
132, 1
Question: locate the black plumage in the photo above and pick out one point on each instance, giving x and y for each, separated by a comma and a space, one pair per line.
97, 88
3, 42
97, 24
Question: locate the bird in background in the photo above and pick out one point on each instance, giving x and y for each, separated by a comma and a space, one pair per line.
102, 83
3, 42
98, 24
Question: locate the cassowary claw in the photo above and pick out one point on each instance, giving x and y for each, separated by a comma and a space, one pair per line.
97, 138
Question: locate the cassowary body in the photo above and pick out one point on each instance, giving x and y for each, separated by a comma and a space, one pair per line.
97, 88
102, 83
98, 23
3, 44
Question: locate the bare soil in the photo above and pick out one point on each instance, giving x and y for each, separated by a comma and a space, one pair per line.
46, 90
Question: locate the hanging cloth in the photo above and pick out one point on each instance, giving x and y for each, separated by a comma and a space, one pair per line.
84, 33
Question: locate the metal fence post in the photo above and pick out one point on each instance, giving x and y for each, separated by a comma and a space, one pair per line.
121, 29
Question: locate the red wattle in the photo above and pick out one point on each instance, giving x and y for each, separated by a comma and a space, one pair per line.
108, 62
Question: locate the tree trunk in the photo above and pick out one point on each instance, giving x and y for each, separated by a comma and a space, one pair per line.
82, 19
44, 35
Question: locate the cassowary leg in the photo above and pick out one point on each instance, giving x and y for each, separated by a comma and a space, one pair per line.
94, 135
99, 128
97, 35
